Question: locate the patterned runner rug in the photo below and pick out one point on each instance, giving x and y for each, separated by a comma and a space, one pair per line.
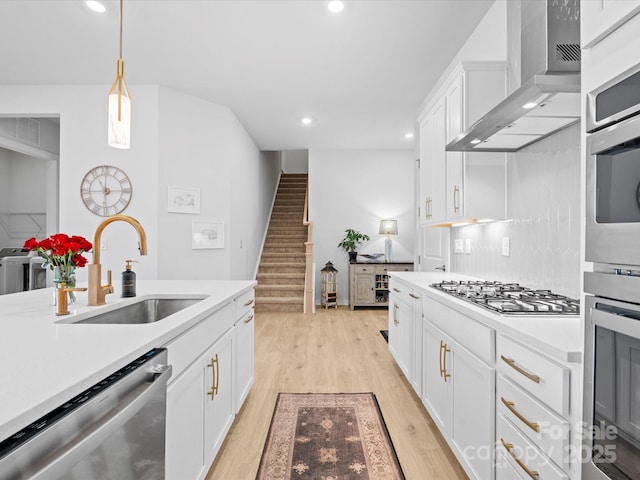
328, 436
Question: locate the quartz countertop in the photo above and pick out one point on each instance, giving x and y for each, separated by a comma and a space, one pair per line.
560, 336
47, 360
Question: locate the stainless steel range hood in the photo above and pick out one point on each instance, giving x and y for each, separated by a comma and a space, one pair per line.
548, 99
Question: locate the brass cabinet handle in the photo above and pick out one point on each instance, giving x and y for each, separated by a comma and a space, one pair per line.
249, 319
446, 350
512, 408
249, 302
215, 370
456, 198
396, 307
414, 296
443, 360
396, 290
512, 363
509, 447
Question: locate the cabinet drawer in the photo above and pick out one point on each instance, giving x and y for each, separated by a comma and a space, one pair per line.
474, 336
364, 269
506, 471
190, 345
382, 269
542, 377
522, 455
245, 303
402, 292
548, 431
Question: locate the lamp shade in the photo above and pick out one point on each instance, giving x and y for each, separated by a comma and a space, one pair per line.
388, 227
119, 121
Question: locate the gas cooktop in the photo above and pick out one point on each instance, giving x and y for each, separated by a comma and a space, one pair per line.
510, 298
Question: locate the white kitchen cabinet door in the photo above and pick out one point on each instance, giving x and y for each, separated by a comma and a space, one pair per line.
432, 163
243, 358
185, 426
415, 336
598, 18
473, 384
216, 365
400, 335
436, 392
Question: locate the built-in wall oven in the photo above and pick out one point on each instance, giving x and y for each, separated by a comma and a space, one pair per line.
612, 302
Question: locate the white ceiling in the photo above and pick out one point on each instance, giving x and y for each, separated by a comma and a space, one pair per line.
361, 75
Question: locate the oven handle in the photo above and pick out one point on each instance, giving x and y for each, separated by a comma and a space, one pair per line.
617, 134
618, 323
99, 431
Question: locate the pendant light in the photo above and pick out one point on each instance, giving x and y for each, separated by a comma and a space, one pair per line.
119, 104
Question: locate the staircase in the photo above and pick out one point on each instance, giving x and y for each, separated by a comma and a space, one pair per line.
282, 265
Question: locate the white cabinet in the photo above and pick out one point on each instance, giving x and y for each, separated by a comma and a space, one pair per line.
534, 413
184, 437
455, 185
216, 365
405, 331
243, 360
432, 163
599, 18
212, 374
458, 392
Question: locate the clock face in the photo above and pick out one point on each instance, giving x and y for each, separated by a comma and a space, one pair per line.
106, 190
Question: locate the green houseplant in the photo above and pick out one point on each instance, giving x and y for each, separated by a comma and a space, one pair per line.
350, 242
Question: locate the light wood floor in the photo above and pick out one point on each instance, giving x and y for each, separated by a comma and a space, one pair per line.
332, 351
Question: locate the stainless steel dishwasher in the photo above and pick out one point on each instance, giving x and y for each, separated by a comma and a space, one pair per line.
114, 430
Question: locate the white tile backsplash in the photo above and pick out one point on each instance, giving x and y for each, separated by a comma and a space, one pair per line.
543, 205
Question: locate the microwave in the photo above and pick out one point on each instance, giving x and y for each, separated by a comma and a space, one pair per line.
614, 100
613, 172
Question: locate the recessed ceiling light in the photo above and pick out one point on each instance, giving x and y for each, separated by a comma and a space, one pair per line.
408, 135
95, 6
335, 6
307, 121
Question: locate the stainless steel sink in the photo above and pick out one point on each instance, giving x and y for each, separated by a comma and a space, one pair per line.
145, 311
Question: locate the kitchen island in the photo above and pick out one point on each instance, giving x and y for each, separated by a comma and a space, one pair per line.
505, 390
47, 359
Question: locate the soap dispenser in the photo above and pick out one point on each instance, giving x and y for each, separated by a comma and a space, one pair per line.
129, 281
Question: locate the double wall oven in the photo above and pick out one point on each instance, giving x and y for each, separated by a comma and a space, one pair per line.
612, 303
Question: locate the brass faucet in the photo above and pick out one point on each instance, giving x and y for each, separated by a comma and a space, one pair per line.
98, 292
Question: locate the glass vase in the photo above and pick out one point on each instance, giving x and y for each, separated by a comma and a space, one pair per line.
64, 274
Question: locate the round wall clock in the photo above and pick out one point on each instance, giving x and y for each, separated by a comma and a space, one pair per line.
106, 190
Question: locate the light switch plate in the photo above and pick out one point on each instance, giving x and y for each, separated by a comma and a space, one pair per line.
459, 246
506, 246
467, 246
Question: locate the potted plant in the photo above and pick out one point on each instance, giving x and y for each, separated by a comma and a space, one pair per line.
350, 242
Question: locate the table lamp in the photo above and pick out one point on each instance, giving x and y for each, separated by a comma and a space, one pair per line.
388, 228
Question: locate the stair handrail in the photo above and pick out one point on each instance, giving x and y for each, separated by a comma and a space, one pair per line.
309, 302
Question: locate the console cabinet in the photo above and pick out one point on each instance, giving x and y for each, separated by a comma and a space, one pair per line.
369, 283
212, 374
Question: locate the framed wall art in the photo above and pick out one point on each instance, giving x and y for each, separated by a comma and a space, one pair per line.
183, 200
207, 234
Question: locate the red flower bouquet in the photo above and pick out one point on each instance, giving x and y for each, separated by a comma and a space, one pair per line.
61, 250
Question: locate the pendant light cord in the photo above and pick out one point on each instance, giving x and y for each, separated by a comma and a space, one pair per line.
121, 2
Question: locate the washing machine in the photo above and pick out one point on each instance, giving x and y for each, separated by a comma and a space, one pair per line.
14, 270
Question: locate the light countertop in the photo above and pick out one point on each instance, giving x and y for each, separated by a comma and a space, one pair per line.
560, 336
46, 360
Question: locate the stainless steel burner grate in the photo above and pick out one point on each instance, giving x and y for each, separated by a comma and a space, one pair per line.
510, 298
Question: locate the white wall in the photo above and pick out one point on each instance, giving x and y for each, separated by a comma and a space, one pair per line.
295, 161
543, 202
194, 150
356, 189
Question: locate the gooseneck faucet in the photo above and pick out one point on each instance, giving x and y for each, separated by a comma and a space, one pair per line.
98, 292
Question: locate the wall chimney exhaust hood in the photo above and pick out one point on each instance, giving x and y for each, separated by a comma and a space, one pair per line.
548, 99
